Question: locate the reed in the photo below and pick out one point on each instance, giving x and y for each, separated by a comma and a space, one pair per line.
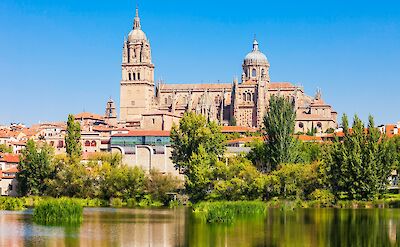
62, 211
11, 203
227, 212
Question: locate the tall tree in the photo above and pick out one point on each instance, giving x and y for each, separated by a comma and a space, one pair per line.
35, 169
194, 131
72, 138
278, 127
359, 165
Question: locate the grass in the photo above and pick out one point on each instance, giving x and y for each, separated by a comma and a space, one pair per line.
228, 211
11, 203
62, 211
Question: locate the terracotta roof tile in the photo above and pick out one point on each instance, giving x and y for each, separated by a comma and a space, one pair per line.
230, 129
88, 115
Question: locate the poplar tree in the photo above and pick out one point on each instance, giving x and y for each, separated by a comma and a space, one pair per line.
359, 165
72, 138
279, 123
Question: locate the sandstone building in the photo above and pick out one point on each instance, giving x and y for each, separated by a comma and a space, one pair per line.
145, 104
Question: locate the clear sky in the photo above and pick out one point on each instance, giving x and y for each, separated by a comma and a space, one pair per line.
59, 57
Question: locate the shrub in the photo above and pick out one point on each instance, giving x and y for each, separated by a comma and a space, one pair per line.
58, 212
322, 197
116, 202
131, 202
11, 203
147, 201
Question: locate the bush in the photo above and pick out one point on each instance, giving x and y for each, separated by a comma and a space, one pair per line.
32, 201
11, 203
131, 202
322, 197
226, 212
58, 212
116, 202
147, 201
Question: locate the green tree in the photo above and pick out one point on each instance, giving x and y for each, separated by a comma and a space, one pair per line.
358, 166
73, 138
278, 127
194, 131
5, 149
158, 185
124, 182
35, 169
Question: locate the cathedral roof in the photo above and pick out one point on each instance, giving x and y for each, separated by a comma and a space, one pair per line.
196, 86
255, 56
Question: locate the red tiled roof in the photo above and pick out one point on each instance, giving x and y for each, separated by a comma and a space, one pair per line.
12, 170
88, 115
10, 158
145, 133
308, 138
246, 139
278, 85
230, 129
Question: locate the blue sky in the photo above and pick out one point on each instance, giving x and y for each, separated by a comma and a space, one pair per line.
60, 57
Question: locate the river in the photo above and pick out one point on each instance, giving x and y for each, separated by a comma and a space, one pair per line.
178, 227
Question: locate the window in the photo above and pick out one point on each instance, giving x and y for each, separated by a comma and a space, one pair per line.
10, 187
249, 96
134, 76
165, 100
254, 73
138, 76
132, 102
87, 143
130, 76
154, 121
301, 125
93, 144
52, 143
319, 125
244, 96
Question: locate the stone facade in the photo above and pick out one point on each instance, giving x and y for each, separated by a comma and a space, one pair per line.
145, 104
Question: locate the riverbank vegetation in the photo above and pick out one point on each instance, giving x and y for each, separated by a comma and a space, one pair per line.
102, 180
227, 211
58, 212
352, 168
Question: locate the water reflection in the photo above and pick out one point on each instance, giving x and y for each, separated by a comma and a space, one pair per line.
170, 228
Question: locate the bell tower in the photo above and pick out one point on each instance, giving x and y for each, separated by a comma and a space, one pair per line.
137, 83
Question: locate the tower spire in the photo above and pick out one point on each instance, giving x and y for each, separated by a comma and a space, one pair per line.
136, 21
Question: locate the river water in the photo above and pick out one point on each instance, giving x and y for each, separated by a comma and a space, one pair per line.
178, 227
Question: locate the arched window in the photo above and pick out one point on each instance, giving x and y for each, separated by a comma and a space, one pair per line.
130, 76
93, 144
134, 76
301, 125
244, 96
262, 72
249, 96
138, 76
254, 73
319, 125
87, 143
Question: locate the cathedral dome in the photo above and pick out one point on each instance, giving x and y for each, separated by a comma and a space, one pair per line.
256, 56
136, 34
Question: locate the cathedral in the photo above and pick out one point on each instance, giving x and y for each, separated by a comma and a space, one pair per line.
145, 104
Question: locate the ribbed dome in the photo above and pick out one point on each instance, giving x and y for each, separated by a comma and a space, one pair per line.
136, 34
256, 56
